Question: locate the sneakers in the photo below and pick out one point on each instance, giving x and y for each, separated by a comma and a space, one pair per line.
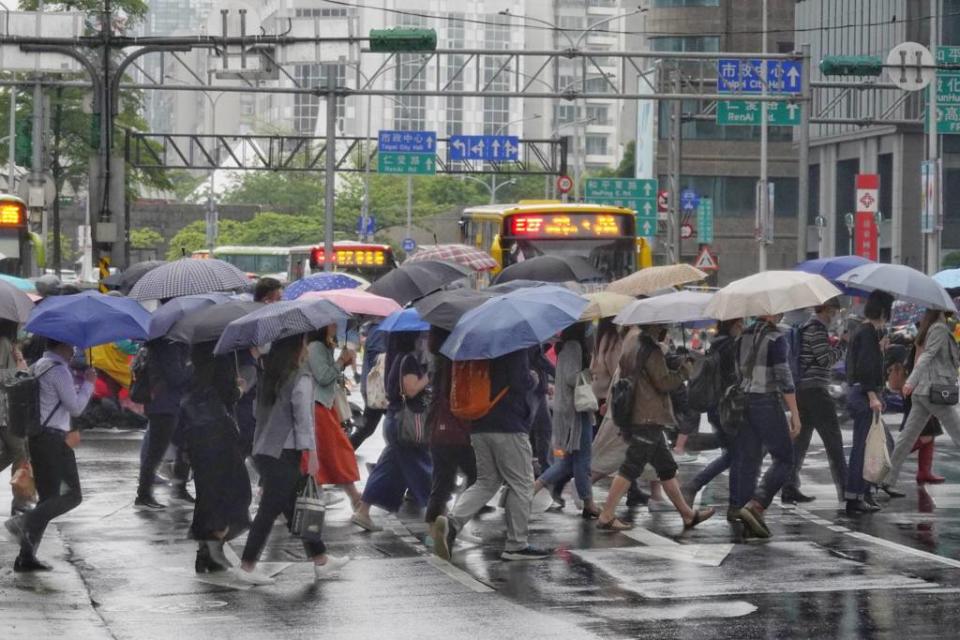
542, 502
794, 496
252, 577
681, 458
330, 498
180, 493
753, 518
330, 568
443, 537
29, 565
16, 531
147, 503
365, 522
529, 553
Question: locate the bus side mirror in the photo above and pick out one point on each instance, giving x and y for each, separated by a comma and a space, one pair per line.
496, 252
644, 254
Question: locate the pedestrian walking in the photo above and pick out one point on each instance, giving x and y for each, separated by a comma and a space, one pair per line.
818, 354
285, 431
644, 362
213, 440
401, 467
374, 345
51, 452
899, 364
604, 361
541, 430
13, 449
933, 378
268, 290
501, 443
865, 376
338, 463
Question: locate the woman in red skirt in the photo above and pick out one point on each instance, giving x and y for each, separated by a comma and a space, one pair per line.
338, 463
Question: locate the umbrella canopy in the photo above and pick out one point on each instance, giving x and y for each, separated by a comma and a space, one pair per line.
670, 308
414, 280
903, 282
513, 321
445, 308
125, 280
206, 324
15, 305
279, 320
551, 269
186, 277
20, 283
169, 313
460, 253
948, 278
604, 304
646, 281
355, 301
325, 281
88, 319
769, 293
405, 320
833, 268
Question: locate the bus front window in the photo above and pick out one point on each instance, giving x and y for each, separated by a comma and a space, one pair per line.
614, 258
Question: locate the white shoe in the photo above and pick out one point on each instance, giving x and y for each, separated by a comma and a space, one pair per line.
330, 498
542, 501
468, 537
365, 522
685, 457
252, 577
330, 568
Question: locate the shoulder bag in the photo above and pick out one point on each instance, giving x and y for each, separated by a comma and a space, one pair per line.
584, 399
733, 404
411, 426
309, 510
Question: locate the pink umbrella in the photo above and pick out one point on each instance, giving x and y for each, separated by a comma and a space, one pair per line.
356, 301
459, 253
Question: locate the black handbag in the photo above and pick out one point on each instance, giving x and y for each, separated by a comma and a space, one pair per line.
412, 427
948, 394
733, 404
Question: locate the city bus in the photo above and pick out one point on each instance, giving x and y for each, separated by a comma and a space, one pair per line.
259, 261
365, 259
21, 252
605, 235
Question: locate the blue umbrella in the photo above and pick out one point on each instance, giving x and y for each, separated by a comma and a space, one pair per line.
168, 313
88, 319
403, 320
513, 321
948, 278
320, 282
279, 320
833, 268
19, 283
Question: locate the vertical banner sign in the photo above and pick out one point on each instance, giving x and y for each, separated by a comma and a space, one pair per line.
866, 238
930, 193
705, 221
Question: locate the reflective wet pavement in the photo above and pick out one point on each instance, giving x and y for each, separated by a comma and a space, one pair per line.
120, 573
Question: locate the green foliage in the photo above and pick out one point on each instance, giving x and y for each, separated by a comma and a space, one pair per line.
145, 239
293, 191
265, 230
185, 183
951, 260
67, 254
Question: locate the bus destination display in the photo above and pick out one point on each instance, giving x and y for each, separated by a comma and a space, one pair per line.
353, 257
568, 225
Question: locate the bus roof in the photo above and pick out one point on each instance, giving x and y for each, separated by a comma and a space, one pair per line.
253, 251
544, 207
339, 243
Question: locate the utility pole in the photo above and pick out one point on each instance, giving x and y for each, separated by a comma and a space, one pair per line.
933, 153
803, 177
57, 172
409, 206
676, 132
12, 141
764, 198
36, 161
329, 174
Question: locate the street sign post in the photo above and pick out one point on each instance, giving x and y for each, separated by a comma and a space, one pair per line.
490, 148
866, 236
371, 226
910, 66
705, 221
409, 245
564, 184
747, 113
689, 200
929, 194
948, 92
632, 193
736, 75
407, 152
706, 261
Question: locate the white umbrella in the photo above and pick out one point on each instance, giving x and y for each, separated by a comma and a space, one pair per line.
770, 293
670, 308
901, 281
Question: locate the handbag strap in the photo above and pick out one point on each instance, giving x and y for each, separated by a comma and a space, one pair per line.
754, 352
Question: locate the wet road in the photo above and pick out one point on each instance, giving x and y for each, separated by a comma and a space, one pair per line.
120, 573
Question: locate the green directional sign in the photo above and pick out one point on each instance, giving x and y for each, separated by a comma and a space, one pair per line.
639, 195
406, 163
747, 113
705, 221
948, 92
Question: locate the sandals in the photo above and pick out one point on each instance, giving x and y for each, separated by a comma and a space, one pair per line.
698, 517
614, 525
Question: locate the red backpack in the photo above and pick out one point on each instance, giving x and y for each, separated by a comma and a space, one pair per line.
471, 390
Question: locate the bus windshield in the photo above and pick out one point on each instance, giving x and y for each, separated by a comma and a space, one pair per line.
614, 258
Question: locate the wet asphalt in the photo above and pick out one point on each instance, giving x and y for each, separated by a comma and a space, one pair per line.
120, 573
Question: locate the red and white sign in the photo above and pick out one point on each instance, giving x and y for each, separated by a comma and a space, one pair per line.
706, 261
663, 201
564, 184
866, 236
686, 231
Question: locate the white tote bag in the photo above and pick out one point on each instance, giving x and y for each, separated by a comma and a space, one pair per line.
876, 458
584, 399
376, 389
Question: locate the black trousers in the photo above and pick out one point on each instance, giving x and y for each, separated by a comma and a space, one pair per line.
371, 418
154, 446
281, 479
818, 411
447, 460
646, 445
54, 467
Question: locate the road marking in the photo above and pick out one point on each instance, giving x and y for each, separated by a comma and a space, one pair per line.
459, 575
711, 555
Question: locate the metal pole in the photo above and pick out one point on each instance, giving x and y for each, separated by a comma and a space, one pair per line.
803, 178
365, 208
933, 238
212, 221
409, 206
12, 178
764, 198
673, 224
329, 174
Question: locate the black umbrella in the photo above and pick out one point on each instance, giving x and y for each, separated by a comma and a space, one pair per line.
414, 280
125, 280
551, 269
444, 308
207, 324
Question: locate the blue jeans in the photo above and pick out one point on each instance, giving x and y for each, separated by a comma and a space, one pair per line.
719, 464
766, 427
858, 404
575, 462
398, 469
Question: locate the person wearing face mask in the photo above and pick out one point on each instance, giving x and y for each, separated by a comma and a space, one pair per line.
818, 354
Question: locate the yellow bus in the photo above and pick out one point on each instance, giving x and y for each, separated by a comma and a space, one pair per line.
605, 235
21, 252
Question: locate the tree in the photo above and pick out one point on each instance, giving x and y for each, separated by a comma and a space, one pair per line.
951, 260
291, 191
145, 239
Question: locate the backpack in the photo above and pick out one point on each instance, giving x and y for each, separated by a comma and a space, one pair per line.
376, 389
795, 343
623, 392
21, 393
140, 374
471, 390
705, 389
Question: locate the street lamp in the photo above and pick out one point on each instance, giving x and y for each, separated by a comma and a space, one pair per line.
493, 177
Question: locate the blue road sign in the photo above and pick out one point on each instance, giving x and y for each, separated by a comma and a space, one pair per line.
689, 200
371, 226
409, 245
407, 141
735, 75
484, 147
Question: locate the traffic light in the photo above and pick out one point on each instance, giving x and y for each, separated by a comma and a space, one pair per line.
23, 145
851, 66
402, 40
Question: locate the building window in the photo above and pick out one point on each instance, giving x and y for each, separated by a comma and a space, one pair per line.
736, 196
601, 3
496, 110
685, 43
565, 113
596, 145
338, 12
686, 3
576, 23
409, 112
305, 107
456, 39
598, 114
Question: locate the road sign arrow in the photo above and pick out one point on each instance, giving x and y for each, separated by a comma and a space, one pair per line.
429, 142
508, 149
495, 145
792, 108
478, 148
459, 144
647, 188
646, 228
647, 208
793, 76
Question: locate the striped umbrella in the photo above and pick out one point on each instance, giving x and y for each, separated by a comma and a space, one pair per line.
330, 281
187, 277
279, 320
459, 253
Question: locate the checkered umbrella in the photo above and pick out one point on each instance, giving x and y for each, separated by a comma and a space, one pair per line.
279, 320
187, 277
459, 253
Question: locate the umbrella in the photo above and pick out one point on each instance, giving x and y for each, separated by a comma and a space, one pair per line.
513, 321
326, 281
416, 279
948, 278
670, 308
604, 304
169, 313
88, 319
20, 283
903, 282
405, 320
833, 268
186, 277
445, 308
206, 324
356, 301
769, 293
125, 280
460, 253
646, 281
551, 269
279, 320
15, 305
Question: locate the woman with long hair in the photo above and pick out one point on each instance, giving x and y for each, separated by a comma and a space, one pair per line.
284, 433
13, 449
